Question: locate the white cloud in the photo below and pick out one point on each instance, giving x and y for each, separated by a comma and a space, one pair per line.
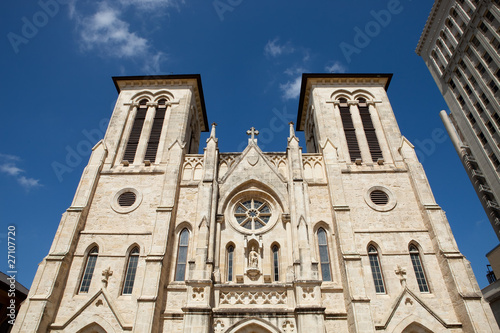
10, 169
336, 67
291, 89
148, 5
107, 32
8, 166
273, 49
292, 71
28, 182
152, 65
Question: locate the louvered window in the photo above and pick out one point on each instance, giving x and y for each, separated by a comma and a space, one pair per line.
379, 197
419, 269
135, 133
276, 265
324, 258
89, 269
154, 137
182, 253
349, 130
230, 255
371, 136
378, 278
133, 260
126, 199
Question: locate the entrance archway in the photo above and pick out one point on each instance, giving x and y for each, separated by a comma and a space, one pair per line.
253, 325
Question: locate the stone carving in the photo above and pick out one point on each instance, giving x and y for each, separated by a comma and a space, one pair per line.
259, 298
308, 293
219, 326
198, 294
288, 327
253, 271
106, 274
253, 258
401, 272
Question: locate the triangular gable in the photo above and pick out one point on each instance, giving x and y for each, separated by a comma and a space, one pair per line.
106, 309
408, 305
252, 166
248, 155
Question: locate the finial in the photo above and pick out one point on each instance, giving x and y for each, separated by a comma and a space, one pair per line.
212, 133
292, 131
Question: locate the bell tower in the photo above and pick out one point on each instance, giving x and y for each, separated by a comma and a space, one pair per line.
107, 258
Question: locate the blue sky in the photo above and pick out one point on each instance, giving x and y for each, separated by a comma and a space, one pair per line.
59, 57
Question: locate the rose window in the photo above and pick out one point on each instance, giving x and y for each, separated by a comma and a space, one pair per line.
252, 214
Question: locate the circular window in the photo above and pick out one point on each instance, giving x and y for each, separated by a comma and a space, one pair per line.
126, 200
252, 214
380, 198
253, 211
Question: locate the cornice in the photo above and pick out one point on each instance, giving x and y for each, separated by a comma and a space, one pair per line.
430, 21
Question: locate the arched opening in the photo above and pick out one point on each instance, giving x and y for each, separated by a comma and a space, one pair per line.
92, 328
416, 328
252, 325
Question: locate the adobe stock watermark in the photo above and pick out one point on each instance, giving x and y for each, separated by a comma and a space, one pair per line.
363, 36
426, 147
278, 123
74, 155
223, 6
31, 25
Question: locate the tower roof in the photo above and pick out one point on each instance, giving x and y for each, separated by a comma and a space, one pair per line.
158, 80
333, 79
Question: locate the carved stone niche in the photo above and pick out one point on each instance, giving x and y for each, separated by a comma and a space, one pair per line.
253, 253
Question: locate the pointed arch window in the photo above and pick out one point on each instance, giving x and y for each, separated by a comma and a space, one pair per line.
276, 264
154, 136
133, 260
324, 258
378, 278
180, 270
419, 269
89, 269
349, 130
371, 136
135, 132
230, 256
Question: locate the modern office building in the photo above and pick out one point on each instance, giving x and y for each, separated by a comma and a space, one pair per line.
460, 45
346, 237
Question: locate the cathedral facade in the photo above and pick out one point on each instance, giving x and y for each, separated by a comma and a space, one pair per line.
344, 238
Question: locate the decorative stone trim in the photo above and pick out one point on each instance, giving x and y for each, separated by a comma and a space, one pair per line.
258, 298
381, 208
124, 210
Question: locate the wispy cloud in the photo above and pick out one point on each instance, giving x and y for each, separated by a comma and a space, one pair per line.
336, 67
106, 32
149, 5
274, 49
291, 89
9, 167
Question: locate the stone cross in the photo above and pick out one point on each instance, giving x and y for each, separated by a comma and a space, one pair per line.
253, 132
401, 272
106, 273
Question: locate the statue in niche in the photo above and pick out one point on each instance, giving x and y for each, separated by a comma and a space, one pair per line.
253, 258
